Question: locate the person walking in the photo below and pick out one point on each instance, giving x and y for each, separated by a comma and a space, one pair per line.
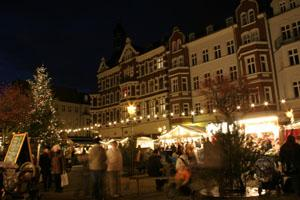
57, 166
45, 164
97, 167
289, 157
155, 169
114, 168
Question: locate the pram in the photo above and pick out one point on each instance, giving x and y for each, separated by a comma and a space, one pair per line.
268, 176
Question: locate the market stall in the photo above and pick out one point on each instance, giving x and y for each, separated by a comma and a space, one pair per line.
183, 134
145, 142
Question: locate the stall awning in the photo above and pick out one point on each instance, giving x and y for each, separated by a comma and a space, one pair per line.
181, 132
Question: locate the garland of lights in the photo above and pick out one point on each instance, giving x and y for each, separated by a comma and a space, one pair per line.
140, 118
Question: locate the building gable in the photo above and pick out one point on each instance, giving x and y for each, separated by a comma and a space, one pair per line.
128, 51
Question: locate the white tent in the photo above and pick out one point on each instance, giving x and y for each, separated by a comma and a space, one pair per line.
145, 142
183, 133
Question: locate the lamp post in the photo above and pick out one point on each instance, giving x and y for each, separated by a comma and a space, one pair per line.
131, 109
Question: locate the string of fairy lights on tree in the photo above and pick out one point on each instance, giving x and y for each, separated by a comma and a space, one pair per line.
139, 119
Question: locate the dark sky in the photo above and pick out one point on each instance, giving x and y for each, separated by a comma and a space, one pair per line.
70, 37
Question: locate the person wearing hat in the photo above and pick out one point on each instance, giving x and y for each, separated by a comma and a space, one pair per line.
57, 166
97, 168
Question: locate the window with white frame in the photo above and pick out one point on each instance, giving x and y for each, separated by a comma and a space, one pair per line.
176, 109
207, 79
296, 29
293, 57
160, 63
251, 15
186, 108
254, 98
263, 63
268, 94
282, 6
296, 88
178, 44
230, 47
184, 84
209, 107
219, 75
286, 32
205, 55
174, 86
292, 4
196, 83
162, 105
150, 67
194, 59
217, 51
244, 19
246, 38
152, 107
233, 73
197, 108
174, 46
250, 65
254, 35
151, 86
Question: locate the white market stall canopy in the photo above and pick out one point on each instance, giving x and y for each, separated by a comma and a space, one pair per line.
145, 142
181, 132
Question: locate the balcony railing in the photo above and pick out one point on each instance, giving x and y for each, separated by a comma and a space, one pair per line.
280, 41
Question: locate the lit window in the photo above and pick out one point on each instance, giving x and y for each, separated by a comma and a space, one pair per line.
217, 51
296, 87
264, 63
152, 107
196, 83
230, 47
233, 73
250, 63
160, 63
293, 57
194, 59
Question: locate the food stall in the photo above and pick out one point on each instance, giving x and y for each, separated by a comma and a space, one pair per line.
292, 129
145, 142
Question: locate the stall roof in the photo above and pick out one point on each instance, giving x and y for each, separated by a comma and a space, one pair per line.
182, 131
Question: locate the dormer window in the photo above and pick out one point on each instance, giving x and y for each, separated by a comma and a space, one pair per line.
244, 19
174, 46
178, 44
282, 6
251, 16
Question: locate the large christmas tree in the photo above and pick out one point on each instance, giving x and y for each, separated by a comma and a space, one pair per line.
44, 122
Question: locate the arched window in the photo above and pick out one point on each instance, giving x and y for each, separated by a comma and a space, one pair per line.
244, 19
174, 46
251, 16
178, 44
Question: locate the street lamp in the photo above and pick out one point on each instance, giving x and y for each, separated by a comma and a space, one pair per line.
131, 109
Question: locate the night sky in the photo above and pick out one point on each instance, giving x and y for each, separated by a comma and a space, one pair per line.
70, 37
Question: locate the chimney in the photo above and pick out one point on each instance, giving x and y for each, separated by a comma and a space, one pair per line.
191, 36
229, 21
209, 29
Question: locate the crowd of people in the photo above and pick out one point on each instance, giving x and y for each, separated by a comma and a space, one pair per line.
103, 166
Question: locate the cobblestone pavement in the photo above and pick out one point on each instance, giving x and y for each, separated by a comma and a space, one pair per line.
129, 190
